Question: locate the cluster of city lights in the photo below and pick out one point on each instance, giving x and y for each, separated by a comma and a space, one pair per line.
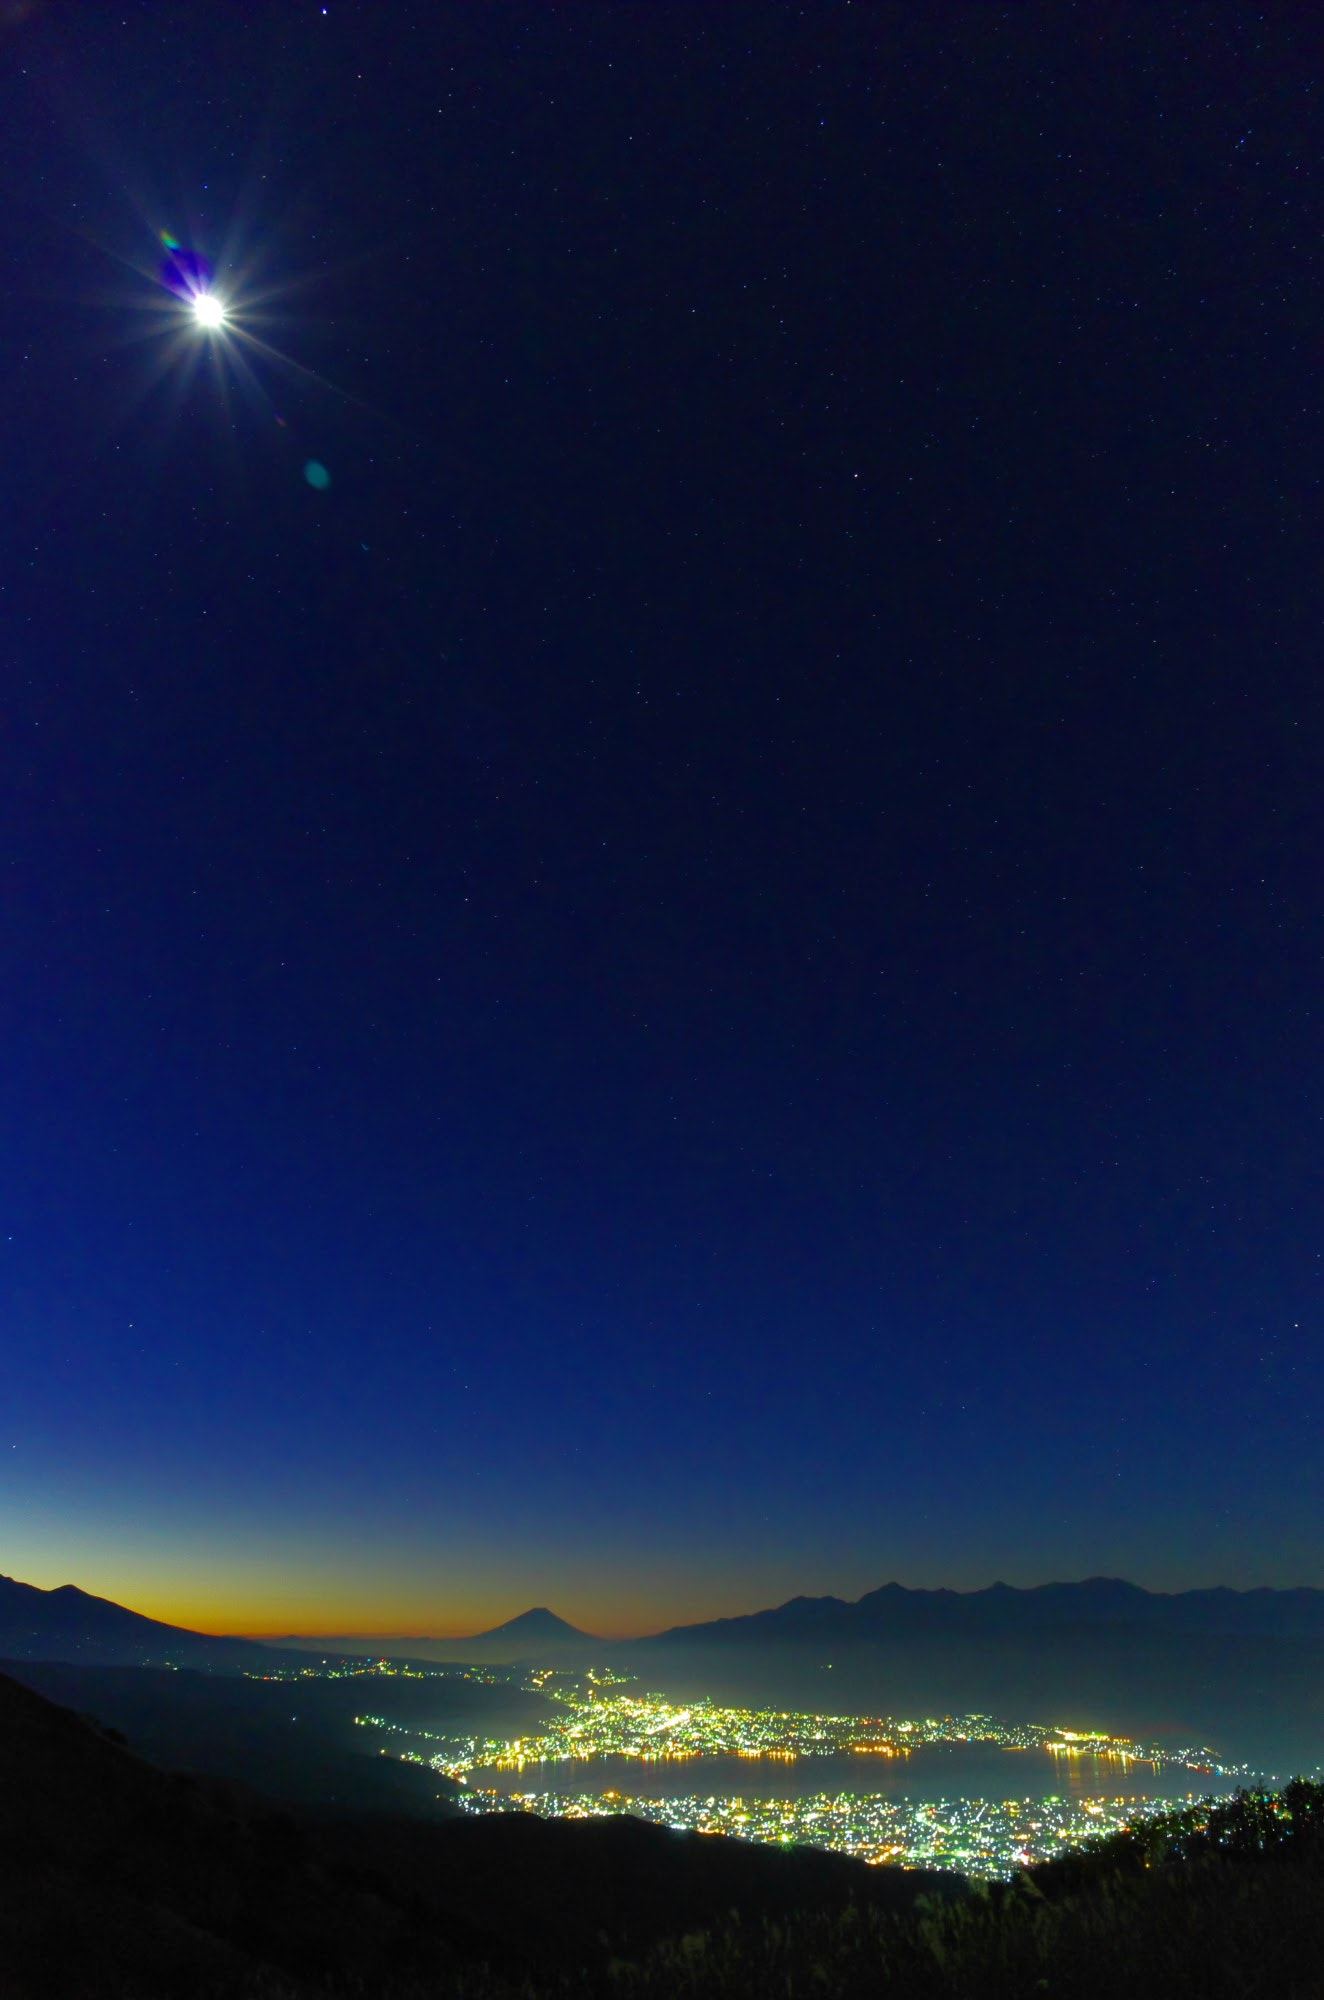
357, 1668
595, 1717
981, 1838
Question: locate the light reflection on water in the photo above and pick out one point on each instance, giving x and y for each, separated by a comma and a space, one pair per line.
934, 1771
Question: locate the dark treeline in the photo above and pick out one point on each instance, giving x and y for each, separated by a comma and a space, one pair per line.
1221, 1900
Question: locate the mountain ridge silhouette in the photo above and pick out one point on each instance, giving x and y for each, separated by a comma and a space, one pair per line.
894, 1610
68, 1623
536, 1623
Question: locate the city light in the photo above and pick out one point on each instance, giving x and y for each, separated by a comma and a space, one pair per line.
602, 1715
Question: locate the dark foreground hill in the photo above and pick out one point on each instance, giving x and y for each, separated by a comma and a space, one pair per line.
296, 1742
1225, 1904
116, 1878
119, 1879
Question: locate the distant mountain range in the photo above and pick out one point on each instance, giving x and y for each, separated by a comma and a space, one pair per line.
894, 1613
69, 1624
1001, 1611
1240, 1669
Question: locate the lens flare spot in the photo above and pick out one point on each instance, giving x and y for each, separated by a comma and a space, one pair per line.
186, 273
317, 475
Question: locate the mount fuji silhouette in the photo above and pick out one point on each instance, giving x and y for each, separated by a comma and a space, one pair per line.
536, 1626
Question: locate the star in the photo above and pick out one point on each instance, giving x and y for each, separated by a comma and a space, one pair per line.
208, 311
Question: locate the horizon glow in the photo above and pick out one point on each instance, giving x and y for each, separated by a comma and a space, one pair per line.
261, 1596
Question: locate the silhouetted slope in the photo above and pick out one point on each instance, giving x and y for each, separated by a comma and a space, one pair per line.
1225, 1905
116, 1878
69, 1624
294, 1742
578, 1891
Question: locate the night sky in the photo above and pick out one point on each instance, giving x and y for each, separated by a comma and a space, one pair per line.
700, 978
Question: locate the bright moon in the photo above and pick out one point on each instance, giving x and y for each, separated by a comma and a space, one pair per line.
208, 310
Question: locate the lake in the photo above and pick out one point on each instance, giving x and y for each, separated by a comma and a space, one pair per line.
934, 1771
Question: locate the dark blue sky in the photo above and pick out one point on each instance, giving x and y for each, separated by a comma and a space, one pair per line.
702, 978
